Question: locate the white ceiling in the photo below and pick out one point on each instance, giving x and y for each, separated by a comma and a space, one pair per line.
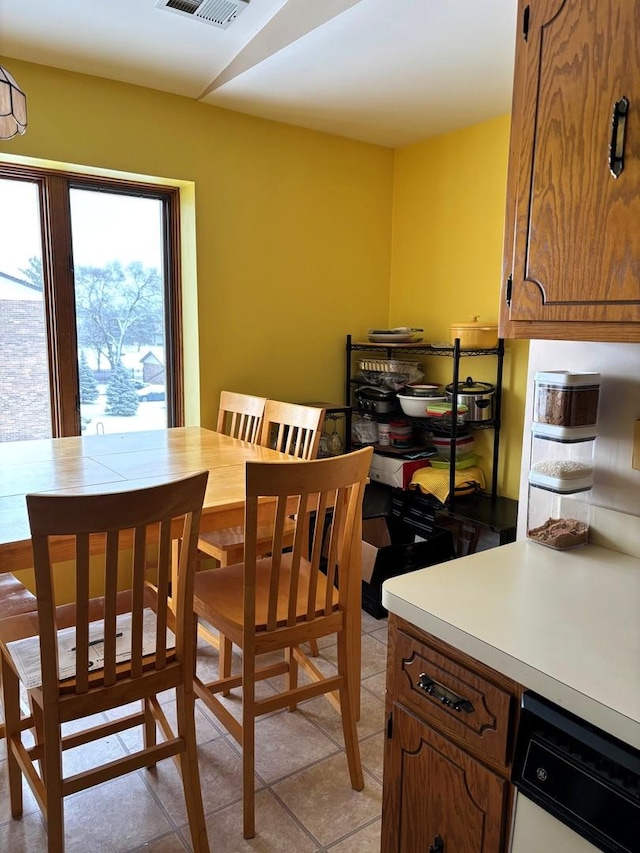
389, 72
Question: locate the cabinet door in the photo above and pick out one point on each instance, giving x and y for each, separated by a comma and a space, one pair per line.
573, 226
433, 790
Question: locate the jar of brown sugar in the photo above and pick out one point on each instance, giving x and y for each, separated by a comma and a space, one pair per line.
559, 503
566, 399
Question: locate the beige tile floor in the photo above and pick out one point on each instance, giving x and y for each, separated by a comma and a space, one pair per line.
304, 802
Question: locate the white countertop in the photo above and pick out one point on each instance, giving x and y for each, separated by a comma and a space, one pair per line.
565, 624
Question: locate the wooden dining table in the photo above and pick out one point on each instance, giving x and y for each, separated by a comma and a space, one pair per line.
121, 462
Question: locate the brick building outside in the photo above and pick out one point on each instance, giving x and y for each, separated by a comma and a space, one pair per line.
24, 372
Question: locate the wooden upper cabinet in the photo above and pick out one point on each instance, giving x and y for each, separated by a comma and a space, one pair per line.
572, 238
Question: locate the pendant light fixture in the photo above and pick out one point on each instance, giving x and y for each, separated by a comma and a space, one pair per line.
13, 106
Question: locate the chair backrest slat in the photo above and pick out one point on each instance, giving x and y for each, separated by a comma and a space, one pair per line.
331, 492
240, 415
251, 517
300, 550
137, 589
276, 563
335, 537
82, 609
185, 618
104, 527
110, 593
293, 429
164, 578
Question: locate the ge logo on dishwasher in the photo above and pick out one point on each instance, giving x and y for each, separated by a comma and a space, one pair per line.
541, 773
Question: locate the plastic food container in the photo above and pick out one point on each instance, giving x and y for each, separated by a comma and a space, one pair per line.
464, 460
474, 334
444, 411
400, 434
384, 430
566, 399
463, 444
559, 503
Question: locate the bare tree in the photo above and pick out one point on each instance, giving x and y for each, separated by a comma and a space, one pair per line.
116, 305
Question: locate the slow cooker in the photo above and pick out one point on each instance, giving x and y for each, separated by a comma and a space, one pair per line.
477, 396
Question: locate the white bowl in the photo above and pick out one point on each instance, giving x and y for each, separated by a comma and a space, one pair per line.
416, 407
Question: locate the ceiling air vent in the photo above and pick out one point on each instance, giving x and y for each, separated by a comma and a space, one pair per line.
218, 13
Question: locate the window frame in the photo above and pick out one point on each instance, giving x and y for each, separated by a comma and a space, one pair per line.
59, 292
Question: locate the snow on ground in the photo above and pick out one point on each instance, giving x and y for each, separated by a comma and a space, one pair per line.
150, 415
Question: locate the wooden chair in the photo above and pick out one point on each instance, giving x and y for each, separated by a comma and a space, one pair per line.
240, 415
292, 428
280, 602
15, 599
105, 660
289, 428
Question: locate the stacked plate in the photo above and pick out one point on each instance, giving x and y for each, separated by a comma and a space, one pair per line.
417, 389
399, 335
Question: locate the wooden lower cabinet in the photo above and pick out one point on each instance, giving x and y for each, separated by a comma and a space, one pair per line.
439, 792
446, 774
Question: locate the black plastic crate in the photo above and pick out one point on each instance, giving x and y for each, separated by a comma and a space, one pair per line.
420, 524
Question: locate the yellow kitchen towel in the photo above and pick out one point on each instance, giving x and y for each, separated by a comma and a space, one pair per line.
435, 481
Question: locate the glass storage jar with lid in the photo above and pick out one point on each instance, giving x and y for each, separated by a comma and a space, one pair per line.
566, 399
559, 502
562, 444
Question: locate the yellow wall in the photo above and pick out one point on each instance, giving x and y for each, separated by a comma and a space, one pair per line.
293, 227
448, 216
301, 236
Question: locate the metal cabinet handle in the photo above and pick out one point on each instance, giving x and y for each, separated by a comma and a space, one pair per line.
440, 692
618, 128
437, 846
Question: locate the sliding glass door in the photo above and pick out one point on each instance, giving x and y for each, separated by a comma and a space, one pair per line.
89, 306
118, 274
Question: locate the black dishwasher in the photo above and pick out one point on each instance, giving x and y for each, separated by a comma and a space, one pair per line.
581, 775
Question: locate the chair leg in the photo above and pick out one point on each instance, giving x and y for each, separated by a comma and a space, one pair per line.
150, 730
226, 646
53, 798
224, 660
225, 651
185, 706
292, 675
314, 651
353, 643
38, 728
222, 643
347, 713
11, 703
248, 745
